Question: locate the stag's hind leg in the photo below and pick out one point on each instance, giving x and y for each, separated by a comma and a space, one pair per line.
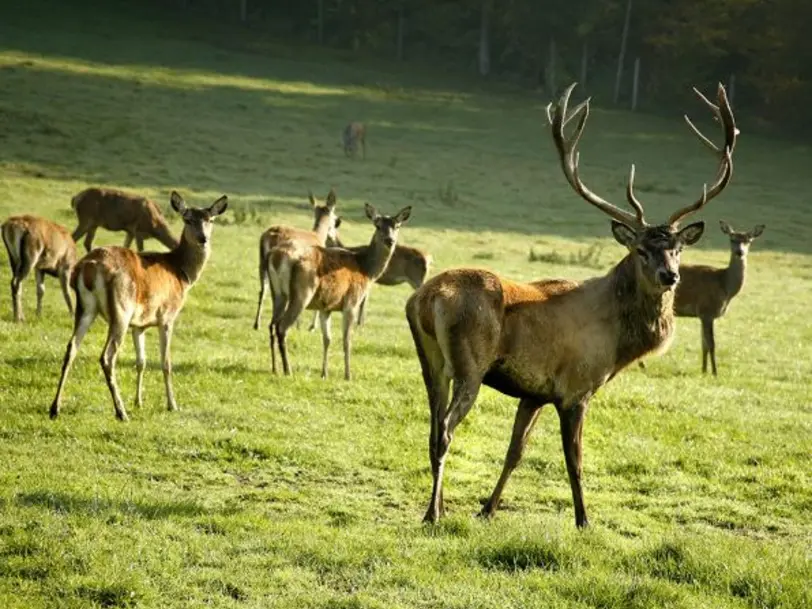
526, 416
117, 328
572, 429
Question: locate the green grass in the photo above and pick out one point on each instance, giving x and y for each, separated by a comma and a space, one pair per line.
298, 492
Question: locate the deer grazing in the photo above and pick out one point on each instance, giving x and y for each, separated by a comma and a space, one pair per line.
553, 341
138, 291
353, 134
36, 243
408, 264
325, 225
115, 210
328, 280
705, 292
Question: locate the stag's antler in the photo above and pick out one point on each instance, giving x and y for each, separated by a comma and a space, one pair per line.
568, 154
724, 115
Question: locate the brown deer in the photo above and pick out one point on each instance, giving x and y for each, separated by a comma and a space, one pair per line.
353, 134
408, 264
553, 341
705, 292
138, 291
329, 280
115, 210
36, 243
325, 225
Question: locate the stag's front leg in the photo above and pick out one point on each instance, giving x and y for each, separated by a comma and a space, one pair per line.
572, 428
165, 336
526, 417
140, 364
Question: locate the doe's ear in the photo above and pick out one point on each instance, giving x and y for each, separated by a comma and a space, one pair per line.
331, 199
726, 229
338, 222
757, 231
177, 202
371, 212
219, 206
691, 233
311, 198
403, 215
624, 234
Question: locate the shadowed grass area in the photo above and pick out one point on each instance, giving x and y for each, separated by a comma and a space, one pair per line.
298, 492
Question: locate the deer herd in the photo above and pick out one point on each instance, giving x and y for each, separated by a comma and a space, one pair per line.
552, 341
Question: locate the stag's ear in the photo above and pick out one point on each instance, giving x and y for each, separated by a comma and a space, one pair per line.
691, 233
403, 215
624, 234
219, 206
757, 231
177, 202
725, 227
331, 199
371, 212
311, 198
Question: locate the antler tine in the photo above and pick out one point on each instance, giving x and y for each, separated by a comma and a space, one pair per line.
632, 199
725, 115
569, 157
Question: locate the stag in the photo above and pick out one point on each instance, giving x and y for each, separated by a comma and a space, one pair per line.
138, 291
553, 341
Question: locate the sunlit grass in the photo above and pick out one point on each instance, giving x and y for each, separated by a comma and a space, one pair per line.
298, 492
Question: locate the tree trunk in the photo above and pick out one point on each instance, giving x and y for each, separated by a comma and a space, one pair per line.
485, 39
622, 57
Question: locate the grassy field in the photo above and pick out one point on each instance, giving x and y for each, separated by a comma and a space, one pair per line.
298, 492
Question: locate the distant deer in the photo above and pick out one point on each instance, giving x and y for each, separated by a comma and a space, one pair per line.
115, 210
553, 341
138, 291
329, 280
47, 247
408, 264
705, 292
325, 225
353, 134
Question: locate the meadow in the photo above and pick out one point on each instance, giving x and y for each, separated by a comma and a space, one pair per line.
299, 492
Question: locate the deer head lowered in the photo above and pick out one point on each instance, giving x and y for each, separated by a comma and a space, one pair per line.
554, 341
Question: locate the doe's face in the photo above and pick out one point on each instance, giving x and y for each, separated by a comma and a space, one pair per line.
657, 250
387, 227
197, 222
740, 242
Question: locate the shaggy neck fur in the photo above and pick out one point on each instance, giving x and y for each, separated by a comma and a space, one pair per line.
374, 258
189, 257
646, 317
734, 275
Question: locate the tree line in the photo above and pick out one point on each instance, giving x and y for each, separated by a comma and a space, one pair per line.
758, 47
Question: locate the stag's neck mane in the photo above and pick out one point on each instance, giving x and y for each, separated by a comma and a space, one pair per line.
646, 317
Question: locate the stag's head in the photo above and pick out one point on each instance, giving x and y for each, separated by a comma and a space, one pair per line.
740, 242
653, 249
326, 213
387, 227
197, 221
